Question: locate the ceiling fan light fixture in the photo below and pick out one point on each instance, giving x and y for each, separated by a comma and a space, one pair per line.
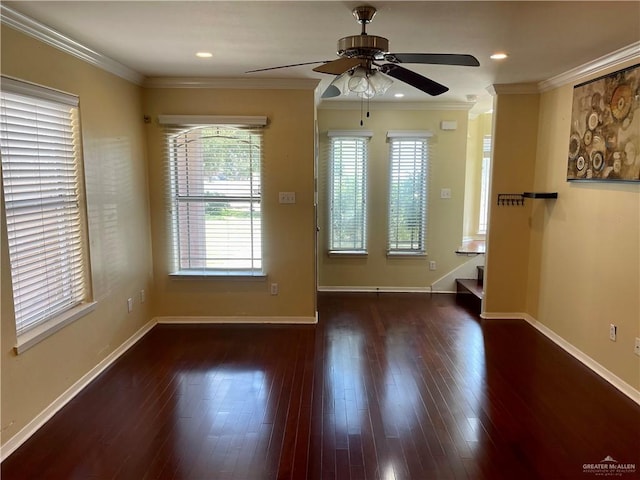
359, 81
379, 82
338, 86
368, 93
363, 82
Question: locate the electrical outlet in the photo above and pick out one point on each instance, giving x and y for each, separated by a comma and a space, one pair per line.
432, 265
274, 289
142, 296
636, 347
613, 331
129, 305
445, 193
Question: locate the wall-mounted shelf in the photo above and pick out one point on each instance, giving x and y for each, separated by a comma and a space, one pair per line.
540, 194
518, 198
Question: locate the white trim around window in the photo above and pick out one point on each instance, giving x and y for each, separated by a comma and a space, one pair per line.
408, 180
347, 178
43, 186
214, 166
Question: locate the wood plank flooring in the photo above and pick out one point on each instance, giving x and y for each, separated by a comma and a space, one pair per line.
384, 387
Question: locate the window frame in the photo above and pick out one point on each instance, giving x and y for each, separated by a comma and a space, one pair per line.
68, 212
485, 180
359, 206
178, 125
396, 138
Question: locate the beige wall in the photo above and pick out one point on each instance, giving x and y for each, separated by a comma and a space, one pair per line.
585, 250
116, 181
288, 230
445, 217
572, 264
513, 164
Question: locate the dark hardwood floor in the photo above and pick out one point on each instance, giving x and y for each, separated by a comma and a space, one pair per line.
384, 387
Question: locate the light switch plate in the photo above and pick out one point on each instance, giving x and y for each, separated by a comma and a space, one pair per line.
287, 197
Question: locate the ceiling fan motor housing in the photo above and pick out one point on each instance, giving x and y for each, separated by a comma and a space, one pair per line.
369, 46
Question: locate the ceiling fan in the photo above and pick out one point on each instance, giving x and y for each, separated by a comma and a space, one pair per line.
360, 64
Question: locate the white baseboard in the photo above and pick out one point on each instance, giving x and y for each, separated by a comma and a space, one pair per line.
606, 374
238, 320
366, 289
503, 316
30, 428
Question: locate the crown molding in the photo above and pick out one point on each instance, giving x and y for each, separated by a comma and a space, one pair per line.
387, 105
51, 37
573, 76
232, 83
599, 65
513, 89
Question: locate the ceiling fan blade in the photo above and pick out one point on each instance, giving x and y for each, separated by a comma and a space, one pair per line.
414, 79
286, 66
434, 58
339, 66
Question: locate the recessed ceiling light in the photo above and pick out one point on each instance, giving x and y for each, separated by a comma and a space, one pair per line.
498, 56
204, 54
398, 95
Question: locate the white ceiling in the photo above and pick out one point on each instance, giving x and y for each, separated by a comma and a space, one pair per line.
160, 38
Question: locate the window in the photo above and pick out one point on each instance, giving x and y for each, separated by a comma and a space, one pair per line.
215, 184
484, 184
348, 193
407, 192
42, 181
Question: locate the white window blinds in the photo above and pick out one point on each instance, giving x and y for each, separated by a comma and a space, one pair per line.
215, 188
407, 194
41, 175
348, 194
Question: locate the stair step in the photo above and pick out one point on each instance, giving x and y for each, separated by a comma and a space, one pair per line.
469, 293
480, 274
470, 285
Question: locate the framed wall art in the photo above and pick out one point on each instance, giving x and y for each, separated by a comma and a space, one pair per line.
604, 144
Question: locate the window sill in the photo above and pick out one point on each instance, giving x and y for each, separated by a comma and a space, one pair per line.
347, 253
39, 333
407, 254
226, 275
